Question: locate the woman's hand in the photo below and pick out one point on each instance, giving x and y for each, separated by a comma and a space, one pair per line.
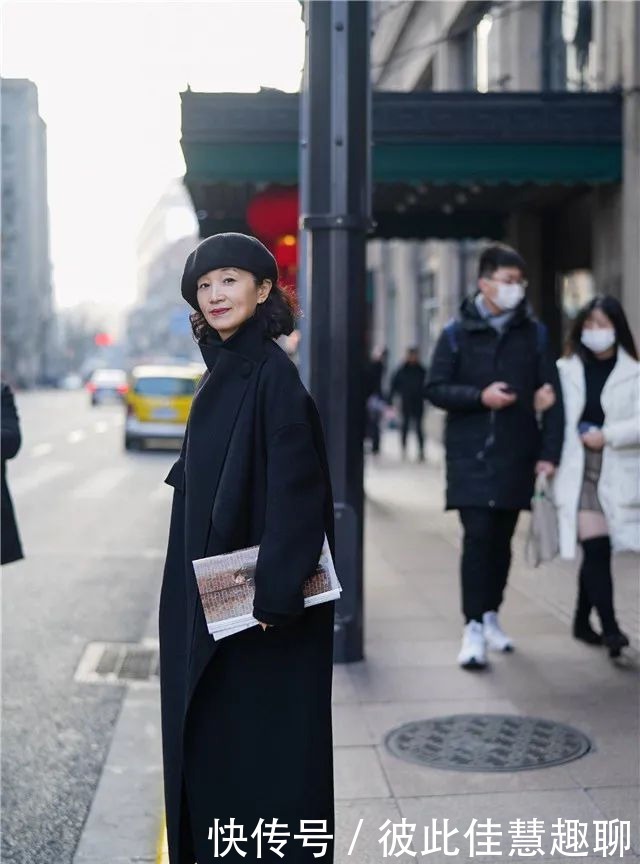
544, 398
593, 439
546, 468
264, 626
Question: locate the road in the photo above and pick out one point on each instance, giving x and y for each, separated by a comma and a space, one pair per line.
94, 521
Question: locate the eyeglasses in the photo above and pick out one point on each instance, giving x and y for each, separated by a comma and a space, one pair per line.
523, 282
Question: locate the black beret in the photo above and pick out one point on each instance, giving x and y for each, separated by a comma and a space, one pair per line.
226, 250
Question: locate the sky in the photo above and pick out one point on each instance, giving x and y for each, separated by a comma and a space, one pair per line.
109, 75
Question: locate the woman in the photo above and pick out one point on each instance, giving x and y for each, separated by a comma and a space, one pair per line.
246, 721
10, 544
597, 486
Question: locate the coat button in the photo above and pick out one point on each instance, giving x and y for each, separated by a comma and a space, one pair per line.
492, 503
246, 369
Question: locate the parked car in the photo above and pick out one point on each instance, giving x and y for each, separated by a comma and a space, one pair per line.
158, 402
106, 385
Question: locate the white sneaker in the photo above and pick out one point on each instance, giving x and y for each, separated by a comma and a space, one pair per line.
494, 635
473, 654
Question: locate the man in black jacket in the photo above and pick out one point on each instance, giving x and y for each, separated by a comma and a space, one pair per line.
494, 375
408, 382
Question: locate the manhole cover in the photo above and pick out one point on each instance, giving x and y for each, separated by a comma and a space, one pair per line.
487, 742
119, 663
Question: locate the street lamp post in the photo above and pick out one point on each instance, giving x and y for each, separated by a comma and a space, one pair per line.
335, 218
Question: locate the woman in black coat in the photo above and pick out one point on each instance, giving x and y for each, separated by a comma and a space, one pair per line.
246, 721
11, 439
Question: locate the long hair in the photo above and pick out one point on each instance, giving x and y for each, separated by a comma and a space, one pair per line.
614, 311
278, 314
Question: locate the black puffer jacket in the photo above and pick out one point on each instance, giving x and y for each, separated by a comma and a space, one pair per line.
491, 455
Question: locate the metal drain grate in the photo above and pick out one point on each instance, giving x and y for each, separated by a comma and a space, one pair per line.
487, 742
119, 663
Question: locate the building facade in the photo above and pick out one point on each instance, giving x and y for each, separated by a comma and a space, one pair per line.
575, 240
28, 313
158, 324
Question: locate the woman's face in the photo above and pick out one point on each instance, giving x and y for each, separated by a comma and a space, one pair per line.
228, 296
598, 320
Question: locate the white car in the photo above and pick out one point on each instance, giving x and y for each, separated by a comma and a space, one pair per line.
107, 385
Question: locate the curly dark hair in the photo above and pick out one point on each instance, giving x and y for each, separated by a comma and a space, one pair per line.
278, 314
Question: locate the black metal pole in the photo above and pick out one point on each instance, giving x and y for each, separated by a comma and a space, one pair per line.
335, 218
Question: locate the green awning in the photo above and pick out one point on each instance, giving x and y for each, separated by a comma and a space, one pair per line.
415, 163
478, 156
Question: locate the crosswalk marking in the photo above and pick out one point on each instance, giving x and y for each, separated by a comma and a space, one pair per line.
76, 435
41, 449
38, 477
102, 482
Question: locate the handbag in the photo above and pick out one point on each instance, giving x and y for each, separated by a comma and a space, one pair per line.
543, 540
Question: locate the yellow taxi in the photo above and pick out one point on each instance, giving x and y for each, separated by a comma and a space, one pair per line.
157, 404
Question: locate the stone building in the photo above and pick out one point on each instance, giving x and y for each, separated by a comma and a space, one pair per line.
577, 236
28, 314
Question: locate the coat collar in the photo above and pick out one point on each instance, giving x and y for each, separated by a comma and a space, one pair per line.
247, 342
472, 320
626, 367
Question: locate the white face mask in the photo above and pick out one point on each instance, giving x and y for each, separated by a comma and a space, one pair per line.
508, 295
598, 339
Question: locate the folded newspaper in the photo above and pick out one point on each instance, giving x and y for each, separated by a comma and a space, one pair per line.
227, 588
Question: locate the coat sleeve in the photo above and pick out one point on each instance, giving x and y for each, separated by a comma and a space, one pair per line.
623, 433
294, 527
11, 437
294, 524
552, 423
441, 389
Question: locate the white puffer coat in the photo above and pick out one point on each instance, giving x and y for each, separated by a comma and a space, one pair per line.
619, 484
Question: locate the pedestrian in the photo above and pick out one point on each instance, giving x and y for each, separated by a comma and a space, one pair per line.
408, 383
491, 369
376, 403
597, 485
246, 721
11, 546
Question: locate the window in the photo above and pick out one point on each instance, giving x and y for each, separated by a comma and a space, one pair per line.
482, 53
568, 55
165, 386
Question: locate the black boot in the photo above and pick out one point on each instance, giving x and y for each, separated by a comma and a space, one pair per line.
598, 585
582, 628
615, 642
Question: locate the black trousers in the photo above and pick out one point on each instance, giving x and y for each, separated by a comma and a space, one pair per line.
486, 558
412, 418
373, 432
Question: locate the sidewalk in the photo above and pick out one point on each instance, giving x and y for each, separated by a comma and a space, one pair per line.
412, 634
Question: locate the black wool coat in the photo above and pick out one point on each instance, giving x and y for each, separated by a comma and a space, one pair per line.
246, 721
491, 455
11, 547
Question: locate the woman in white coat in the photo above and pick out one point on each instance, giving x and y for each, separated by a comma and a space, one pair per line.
597, 484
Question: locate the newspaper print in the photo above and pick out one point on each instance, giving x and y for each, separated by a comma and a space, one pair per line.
226, 584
